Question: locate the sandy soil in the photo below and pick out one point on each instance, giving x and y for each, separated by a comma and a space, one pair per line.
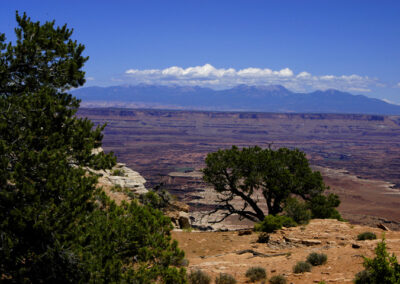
218, 252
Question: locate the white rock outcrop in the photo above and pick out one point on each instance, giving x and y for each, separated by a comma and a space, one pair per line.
121, 175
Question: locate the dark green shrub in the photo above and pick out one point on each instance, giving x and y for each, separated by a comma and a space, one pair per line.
272, 223
256, 273
297, 210
56, 225
118, 172
324, 207
154, 200
199, 277
301, 267
263, 238
366, 236
287, 221
316, 258
224, 278
277, 279
363, 277
381, 269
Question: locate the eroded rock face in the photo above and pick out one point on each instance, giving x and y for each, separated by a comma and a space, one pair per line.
121, 176
125, 177
129, 181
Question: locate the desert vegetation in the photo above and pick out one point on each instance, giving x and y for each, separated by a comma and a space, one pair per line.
272, 223
316, 259
277, 279
256, 274
301, 267
224, 278
366, 236
383, 268
199, 277
55, 225
274, 174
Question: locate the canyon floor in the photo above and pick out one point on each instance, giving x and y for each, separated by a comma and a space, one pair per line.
358, 155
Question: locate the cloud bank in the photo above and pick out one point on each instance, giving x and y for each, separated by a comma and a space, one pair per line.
220, 78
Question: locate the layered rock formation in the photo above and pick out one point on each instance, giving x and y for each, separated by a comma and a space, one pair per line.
122, 176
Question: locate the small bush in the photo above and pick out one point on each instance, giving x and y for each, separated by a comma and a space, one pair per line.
383, 268
272, 223
256, 273
118, 172
297, 210
316, 258
224, 278
301, 267
363, 277
366, 236
199, 277
153, 199
117, 188
287, 222
263, 238
277, 279
324, 207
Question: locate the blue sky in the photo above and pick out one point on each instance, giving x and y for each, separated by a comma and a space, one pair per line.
303, 45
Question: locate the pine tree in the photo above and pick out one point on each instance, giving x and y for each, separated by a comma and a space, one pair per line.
51, 214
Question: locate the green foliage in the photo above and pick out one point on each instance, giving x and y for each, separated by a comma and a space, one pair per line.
256, 274
112, 252
297, 210
363, 277
276, 174
199, 277
272, 223
366, 236
301, 267
156, 199
225, 278
316, 259
324, 207
117, 188
277, 279
118, 172
55, 226
383, 268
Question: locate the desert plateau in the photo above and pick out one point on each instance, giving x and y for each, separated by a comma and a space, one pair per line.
358, 155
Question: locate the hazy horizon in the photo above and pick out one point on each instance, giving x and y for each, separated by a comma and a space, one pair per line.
351, 46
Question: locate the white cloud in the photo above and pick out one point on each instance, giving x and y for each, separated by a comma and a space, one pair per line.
220, 78
398, 85
303, 75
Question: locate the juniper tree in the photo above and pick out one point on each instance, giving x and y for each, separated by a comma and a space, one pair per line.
262, 178
48, 200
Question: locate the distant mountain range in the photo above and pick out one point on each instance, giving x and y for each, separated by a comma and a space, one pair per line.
273, 98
